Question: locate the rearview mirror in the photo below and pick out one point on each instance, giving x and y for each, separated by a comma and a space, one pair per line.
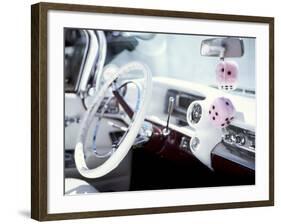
222, 47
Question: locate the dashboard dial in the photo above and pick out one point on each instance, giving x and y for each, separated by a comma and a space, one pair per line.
195, 113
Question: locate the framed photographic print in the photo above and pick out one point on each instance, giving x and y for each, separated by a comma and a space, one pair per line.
138, 111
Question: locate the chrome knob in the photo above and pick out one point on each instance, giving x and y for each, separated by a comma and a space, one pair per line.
240, 139
232, 138
194, 143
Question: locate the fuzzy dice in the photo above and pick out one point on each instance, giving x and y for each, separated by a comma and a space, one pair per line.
221, 112
227, 75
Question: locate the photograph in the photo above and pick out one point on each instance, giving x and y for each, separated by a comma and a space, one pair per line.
157, 111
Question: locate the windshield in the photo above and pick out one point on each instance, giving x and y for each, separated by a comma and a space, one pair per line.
178, 56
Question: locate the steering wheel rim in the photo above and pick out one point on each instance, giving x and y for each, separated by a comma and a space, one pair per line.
114, 160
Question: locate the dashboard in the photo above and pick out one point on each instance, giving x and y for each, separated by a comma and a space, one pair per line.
234, 144
233, 136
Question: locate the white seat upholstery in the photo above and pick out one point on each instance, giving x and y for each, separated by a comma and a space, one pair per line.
77, 186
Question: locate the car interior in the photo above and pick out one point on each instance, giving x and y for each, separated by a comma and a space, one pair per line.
156, 111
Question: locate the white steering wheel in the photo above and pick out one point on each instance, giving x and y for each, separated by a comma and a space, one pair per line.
127, 141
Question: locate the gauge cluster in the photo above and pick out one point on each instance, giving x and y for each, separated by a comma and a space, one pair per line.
111, 107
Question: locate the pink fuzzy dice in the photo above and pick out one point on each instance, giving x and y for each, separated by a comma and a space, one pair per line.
227, 75
221, 112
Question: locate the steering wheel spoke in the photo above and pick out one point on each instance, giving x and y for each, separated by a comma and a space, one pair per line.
126, 107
